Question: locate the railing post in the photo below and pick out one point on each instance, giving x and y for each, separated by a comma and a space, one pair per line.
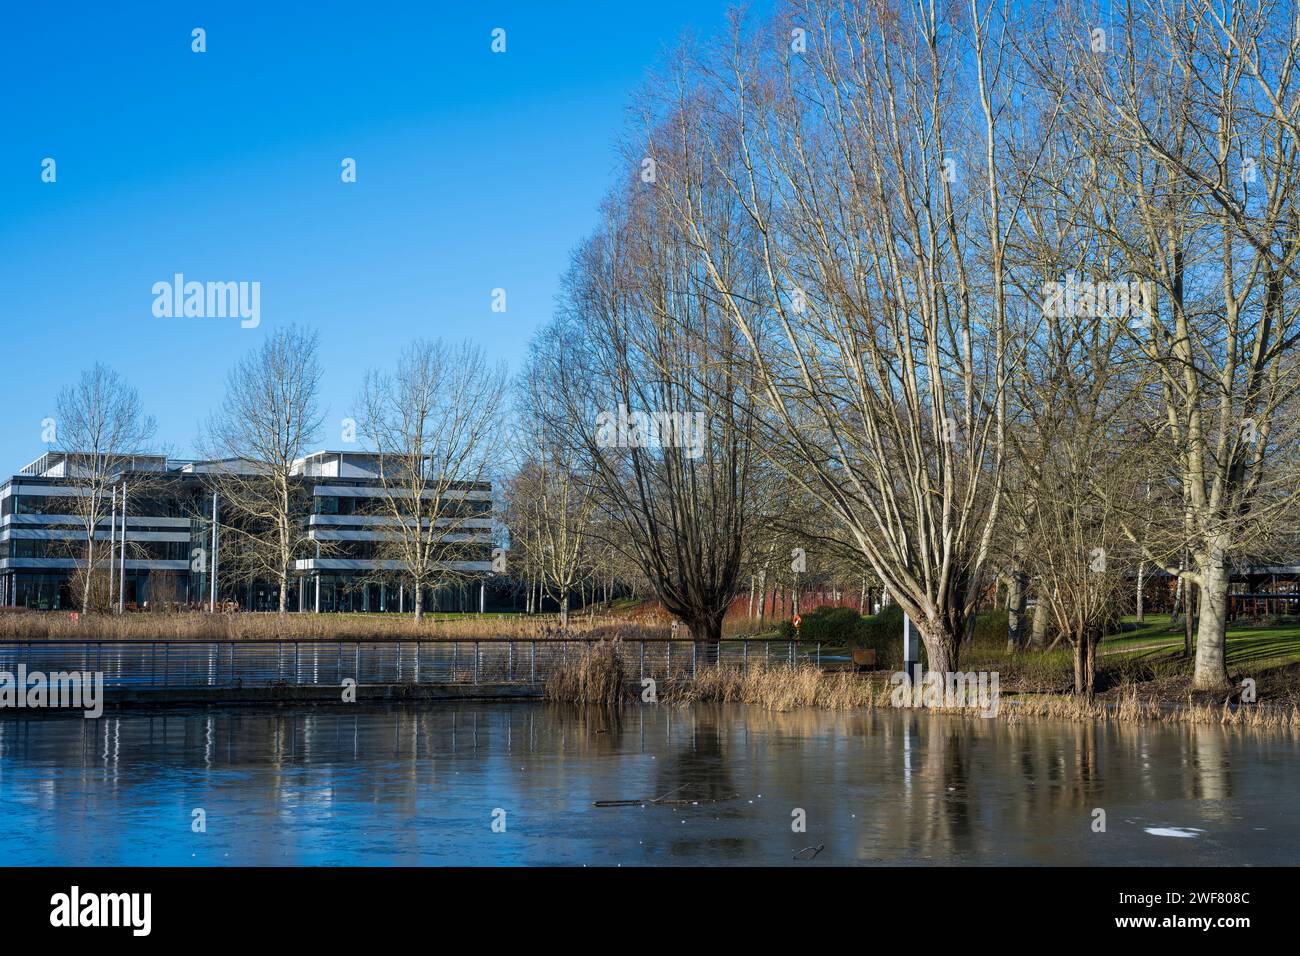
476, 661
669, 665
694, 655
744, 657
297, 663
642, 674
356, 664
532, 661
819, 654
417, 662
789, 653
510, 662
455, 660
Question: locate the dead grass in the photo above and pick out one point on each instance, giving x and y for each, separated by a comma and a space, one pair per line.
594, 677
785, 687
1129, 706
201, 626
778, 687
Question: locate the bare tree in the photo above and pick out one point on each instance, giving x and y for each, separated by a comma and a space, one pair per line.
1191, 109
265, 426
647, 379
433, 426
875, 203
101, 428
552, 503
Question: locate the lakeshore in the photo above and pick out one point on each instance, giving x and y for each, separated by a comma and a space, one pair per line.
346, 659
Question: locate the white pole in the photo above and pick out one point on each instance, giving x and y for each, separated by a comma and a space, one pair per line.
112, 546
317, 592
482, 592
911, 648
212, 585
121, 580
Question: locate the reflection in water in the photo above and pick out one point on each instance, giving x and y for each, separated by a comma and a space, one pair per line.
417, 784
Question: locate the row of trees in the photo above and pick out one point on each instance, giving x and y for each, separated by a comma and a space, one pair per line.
432, 424
965, 291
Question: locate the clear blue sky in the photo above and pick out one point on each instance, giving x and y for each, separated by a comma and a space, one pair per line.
474, 171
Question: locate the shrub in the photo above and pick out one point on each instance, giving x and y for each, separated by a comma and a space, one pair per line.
881, 632
991, 628
827, 625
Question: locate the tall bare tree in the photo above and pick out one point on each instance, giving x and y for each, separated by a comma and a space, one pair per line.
265, 425
1191, 107
101, 428
876, 209
433, 424
552, 503
649, 387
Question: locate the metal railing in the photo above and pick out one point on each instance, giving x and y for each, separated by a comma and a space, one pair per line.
270, 663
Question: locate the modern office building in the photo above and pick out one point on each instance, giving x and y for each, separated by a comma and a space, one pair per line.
168, 562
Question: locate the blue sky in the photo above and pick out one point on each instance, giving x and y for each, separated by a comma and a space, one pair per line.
474, 171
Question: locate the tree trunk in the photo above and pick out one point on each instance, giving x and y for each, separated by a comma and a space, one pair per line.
90, 574
941, 648
1085, 666
707, 635
1016, 610
1141, 604
564, 609
1211, 670
1038, 635
419, 601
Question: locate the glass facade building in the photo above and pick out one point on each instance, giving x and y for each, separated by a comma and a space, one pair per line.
346, 563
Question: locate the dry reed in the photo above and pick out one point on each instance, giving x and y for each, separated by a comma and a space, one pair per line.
785, 687
202, 626
596, 676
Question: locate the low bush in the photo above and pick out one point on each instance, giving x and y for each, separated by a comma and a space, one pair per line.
843, 626
991, 628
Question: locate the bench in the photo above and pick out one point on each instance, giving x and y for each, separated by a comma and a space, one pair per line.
864, 658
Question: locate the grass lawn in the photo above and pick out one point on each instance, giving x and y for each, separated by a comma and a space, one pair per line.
1149, 657
1249, 645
